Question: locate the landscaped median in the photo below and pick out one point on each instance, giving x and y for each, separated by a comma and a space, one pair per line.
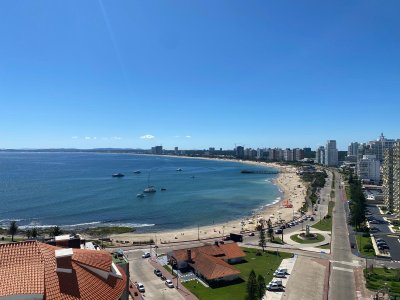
364, 245
326, 223
383, 278
264, 265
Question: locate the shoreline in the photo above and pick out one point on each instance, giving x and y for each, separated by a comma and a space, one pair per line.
289, 184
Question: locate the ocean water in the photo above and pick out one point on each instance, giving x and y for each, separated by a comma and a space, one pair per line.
77, 190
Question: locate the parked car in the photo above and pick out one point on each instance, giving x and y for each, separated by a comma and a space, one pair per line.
312, 218
373, 229
280, 274
373, 222
140, 287
158, 272
278, 231
283, 226
379, 240
163, 277
277, 281
169, 283
146, 255
251, 234
273, 287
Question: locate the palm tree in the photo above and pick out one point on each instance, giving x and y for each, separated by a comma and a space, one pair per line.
13, 229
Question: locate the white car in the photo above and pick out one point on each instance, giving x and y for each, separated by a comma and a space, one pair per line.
277, 281
146, 255
169, 283
280, 274
140, 287
273, 287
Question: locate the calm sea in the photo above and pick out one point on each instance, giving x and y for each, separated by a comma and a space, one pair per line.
76, 189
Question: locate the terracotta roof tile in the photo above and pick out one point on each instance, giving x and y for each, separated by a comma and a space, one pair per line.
93, 258
30, 268
212, 267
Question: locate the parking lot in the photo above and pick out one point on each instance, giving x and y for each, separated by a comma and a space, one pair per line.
142, 271
381, 230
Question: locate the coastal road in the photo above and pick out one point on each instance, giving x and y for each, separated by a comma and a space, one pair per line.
342, 283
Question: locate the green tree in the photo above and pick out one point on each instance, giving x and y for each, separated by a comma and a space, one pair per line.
28, 233
34, 232
252, 287
270, 230
55, 231
13, 229
261, 287
262, 240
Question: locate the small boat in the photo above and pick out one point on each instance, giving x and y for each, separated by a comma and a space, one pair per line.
137, 172
150, 189
118, 175
140, 195
163, 189
179, 169
192, 177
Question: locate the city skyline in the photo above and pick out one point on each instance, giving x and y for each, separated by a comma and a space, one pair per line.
196, 75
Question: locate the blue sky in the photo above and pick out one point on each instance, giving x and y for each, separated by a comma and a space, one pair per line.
195, 74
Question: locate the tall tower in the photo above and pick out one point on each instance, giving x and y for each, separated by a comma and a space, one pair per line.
387, 173
396, 176
331, 153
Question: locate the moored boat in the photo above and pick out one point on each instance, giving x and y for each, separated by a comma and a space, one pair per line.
117, 175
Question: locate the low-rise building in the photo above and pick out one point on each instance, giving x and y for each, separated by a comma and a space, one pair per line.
212, 263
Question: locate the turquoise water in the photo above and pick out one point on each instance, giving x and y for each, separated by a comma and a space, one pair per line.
76, 189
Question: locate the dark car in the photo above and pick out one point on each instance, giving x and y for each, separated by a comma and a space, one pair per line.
157, 272
278, 231
283, 226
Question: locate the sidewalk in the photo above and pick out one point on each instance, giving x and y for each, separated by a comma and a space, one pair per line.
287, 263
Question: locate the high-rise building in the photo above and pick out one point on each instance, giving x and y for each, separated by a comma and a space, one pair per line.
396, 176
387, 173
157, 150
391, 178
176, 151
369, 169
331, 153
288, 154
320, 155
379, 146
298, 154
352, 150
239, 152
307, 152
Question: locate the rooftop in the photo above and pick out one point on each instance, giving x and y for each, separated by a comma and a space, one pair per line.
30, 268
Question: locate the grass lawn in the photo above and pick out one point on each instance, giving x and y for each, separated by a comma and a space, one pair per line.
361, 241
377, 278
277, 240
327, 246
319, 238
326, 224
264, 265
8, 239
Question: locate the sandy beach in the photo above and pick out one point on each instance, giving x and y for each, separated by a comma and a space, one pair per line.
288, 182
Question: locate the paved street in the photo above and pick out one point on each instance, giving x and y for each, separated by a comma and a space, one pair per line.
342, 284
142, 271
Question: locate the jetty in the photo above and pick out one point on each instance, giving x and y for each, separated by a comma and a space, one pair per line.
258, 172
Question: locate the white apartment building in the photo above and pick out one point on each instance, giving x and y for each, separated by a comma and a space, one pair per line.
369, 169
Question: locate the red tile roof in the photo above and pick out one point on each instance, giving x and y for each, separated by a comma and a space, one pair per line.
212, 267
224, 251
30, 268
209, 259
